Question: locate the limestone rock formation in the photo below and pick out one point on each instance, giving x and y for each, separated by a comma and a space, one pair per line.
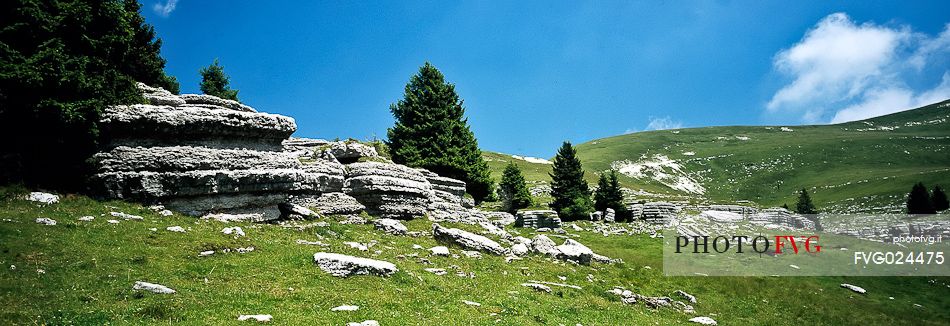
332, 203
200, 154
537, 219
388, 190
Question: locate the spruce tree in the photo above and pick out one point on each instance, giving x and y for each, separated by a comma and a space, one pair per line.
570, 191
431, 132
939, 199
804, 204
918, 200
61, 62
215, 82
513, 190
609, 195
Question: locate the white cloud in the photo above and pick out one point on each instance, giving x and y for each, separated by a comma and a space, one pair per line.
165, 9
890, 100
663, 124
849, 71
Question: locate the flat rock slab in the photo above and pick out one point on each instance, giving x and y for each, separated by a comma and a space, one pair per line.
345, 308
854, 288
537, 287
364, 323
42, 197
340, 265
704, 320
257, 318
390, 226
45, 221
152, 287
467, 240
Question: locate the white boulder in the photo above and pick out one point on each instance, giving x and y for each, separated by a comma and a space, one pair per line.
343, 265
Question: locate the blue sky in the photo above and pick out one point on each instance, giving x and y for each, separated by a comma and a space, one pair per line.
535, 73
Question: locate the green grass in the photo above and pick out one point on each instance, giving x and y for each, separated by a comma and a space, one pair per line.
90, 268
846, 170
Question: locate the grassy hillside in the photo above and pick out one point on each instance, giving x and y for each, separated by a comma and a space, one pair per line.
859, 166
82, 273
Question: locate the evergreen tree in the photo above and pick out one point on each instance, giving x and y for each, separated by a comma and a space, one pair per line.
570, 191
431, 132
918, 200
939, 199
513, 190
785, 206
804, 204
609, 195
215, 82
61, 62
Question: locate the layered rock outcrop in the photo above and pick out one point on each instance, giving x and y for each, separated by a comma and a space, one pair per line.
200, 154
538, 219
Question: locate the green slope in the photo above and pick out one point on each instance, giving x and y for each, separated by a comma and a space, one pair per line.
859, 166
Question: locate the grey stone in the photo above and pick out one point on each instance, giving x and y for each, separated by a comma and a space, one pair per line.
152, 287
390, 226
343, 266
351, 151
467, 240
537, 219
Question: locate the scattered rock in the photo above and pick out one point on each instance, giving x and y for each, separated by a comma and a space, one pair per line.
703, 320
345, 308
467, 240
544, 245
257, 318
436, 271
574, 251
390, 226
687, 296
472, 303
364, 323
43, 198
206, 253
152, 287
175, 229
857, 289
86, 218
439, 251
311, 243
471, 254
356, 245
113, 221
237, 231
342, 265
519, 249
126, 216
45, 221
537, 287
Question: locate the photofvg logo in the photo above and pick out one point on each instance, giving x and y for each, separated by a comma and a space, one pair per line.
758, 244
845, 245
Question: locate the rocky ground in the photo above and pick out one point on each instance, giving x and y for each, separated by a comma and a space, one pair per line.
76, 260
